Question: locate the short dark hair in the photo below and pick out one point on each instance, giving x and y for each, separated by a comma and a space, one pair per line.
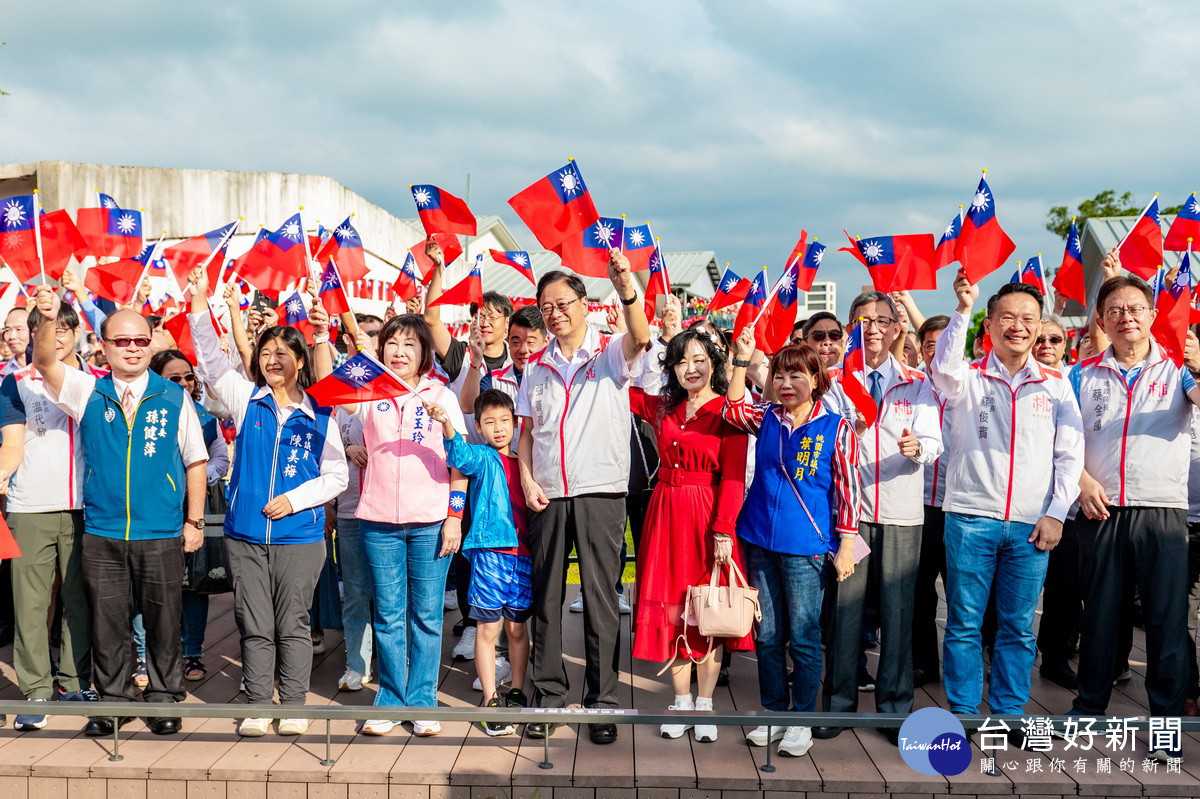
293, 339
498, 302
155, 321
66, 317
494, 398
802, 357
799, 326
932, 325
416, 325
676, 350
868, 297
1015, 288
367, 317
1119, 282
160, 360
574, 283
819, 316
529, 317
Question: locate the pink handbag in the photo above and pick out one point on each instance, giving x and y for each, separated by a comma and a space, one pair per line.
724, 611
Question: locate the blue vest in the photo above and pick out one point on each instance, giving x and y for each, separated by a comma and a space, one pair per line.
134, 485
208, 423
771, 516
272, 460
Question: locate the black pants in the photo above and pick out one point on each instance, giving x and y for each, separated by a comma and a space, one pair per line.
1062, 602
925, 649
1193, 685
118, 573
595, 525
1146, 548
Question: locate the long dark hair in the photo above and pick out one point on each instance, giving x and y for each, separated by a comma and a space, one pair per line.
293, 339
673, 393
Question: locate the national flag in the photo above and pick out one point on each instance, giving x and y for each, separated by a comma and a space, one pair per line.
1032, 274
587, 253
897, 263
1068, 280
118, 280
1174, 306
732, 289
772, 330
442, 212
947, 248
332, 293
658, 283
407, 282
983, 246
9, 549
1141, 251
752, 306
451, 249
109, 230
361, 378
638, 246
854, 362
468, 290
814, 253
18, 238
60, 241
798, 250
181, 331
1185, 226
105, 200
345, 247
278, 260
209, 247
517, 259
556, 207
293, 314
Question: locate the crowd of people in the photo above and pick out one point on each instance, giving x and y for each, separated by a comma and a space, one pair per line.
1011, 474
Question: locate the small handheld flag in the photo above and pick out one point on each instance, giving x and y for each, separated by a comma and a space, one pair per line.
361, 378
853, 362
1068, 280
442, 212
556, 207
517, 259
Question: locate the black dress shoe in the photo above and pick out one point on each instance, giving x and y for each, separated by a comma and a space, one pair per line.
602, 733
100, 726
824, 733
892, 734
924, 676
540, 729
970, 731
164, 725
1060, 673
723, 677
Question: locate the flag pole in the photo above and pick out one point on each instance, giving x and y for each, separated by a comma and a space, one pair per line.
146, 269
767, 302
37, 235
219, 289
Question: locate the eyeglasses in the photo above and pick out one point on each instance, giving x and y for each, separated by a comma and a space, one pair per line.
820, 335
879, 324
1134, 311
121, 342
562, 306
190, 377
491, 317
1055, 340
1008, 321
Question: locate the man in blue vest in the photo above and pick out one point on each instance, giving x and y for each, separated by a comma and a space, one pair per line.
144, 460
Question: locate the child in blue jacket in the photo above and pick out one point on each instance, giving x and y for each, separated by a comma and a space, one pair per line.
497, 545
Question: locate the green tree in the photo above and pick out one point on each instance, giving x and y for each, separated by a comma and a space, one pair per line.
1106, 203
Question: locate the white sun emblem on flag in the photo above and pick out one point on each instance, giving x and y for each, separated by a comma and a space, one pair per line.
569, 181
456, 502
818, 256
605, 233
729, 284
126, 224
1193, 206
520, 259
343, 232
980, 201
294, 307
872, 251
636, 237
109, 202
14, 214
292, 231
422, 196
358, 373
949, 231
786, 282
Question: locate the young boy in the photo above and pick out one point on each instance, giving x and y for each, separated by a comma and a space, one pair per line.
497, 545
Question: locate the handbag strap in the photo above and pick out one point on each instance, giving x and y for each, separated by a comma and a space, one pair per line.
788, 479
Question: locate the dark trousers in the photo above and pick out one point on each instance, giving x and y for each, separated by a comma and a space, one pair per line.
595, 525
118, 573
1146, 548
926, 653
1062, 602
892, 565
1193, 684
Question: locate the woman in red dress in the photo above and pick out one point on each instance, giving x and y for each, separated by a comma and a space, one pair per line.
690, 519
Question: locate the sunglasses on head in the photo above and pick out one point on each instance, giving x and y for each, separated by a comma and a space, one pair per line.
122, 342
190, 377
821, 335
1055, 340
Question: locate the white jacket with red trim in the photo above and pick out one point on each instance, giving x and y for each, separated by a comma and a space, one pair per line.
935, 473
892, 484
1015, 448
1137, 439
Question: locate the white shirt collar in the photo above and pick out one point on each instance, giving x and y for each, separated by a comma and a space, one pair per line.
305, 405
587, 348
137, 387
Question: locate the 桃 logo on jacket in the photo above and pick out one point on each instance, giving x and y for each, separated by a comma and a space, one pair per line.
590, 374
109, 414
384, 406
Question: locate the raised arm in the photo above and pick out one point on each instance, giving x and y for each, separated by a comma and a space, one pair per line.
950, 368
241, 339
743, 415
433, 316
637, 336
45, 356
212, 364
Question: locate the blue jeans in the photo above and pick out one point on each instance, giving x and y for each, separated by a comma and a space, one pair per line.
980, 550
193, 621
357, 590
409, 582
791, 589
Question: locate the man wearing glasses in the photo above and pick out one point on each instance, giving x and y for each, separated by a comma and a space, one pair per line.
574, 455
144, 459
892, 455
1136, 406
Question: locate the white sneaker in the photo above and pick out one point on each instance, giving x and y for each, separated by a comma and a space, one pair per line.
677, 730
577, 605
253, 728
503, 674
450, 600
318, 642
704, 733
796, 741
623, 605
378, 726
293, 726
758, 736
424, 729
351, 680
465, 648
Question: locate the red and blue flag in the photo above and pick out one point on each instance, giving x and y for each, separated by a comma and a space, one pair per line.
442, 212
1174, 306
752, 306
1141, 251
814, 253
18, 237
1185, 227
361, 378
517, 259
556, 207
408, 280
947, 247
588, 253
332, 292
1068, 280
207, 249
109, 231
732, 289
345, 247
467, 291
1032, 274
638, 245
118, 280
451, 249
772, 330
983, 246
897, 263
659, 282
854, 362
279, 259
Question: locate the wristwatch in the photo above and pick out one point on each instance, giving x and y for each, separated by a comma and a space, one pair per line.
197, 523
741, 363
629, 301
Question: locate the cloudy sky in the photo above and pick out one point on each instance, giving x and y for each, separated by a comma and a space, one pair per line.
727, 125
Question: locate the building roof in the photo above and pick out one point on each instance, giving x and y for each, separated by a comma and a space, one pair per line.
1101, 234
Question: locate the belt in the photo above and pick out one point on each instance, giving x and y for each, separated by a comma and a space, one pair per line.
684, 477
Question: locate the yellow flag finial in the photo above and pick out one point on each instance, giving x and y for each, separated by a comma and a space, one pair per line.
985, 171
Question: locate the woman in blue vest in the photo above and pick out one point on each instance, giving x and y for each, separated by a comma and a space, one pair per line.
802, 509
289, 463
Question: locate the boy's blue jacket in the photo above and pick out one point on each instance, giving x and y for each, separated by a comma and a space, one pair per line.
492, 525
